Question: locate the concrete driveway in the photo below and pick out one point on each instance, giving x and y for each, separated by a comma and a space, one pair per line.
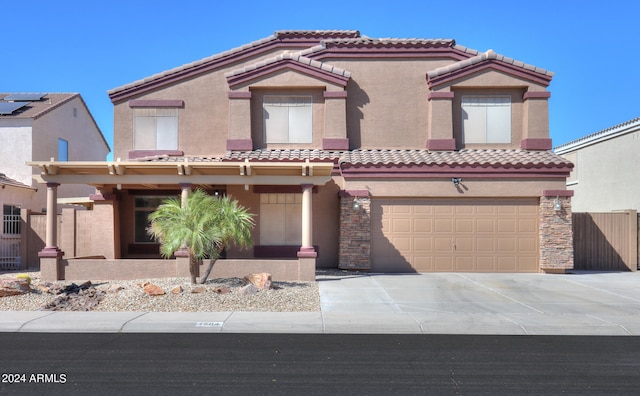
469, 303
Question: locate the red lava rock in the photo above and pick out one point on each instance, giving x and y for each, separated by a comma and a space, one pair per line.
153, 290
261, 280
14, 287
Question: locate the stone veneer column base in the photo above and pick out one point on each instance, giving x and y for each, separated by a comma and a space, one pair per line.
355, 232
556, 235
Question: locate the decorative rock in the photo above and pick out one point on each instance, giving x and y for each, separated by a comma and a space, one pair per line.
13, 287
261, 280
115, 288
177, 290
248, 289
199, 289
153, 290
222, 290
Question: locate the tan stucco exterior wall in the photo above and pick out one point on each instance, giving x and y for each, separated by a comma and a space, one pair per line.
605, 176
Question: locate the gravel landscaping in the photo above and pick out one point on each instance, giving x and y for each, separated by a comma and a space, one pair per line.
217, 295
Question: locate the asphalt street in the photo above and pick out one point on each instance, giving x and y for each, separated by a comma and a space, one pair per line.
317, 364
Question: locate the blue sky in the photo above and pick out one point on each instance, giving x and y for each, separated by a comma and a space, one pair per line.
90, 47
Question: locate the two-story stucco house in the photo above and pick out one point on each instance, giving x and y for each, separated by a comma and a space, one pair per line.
39, 127
395, 155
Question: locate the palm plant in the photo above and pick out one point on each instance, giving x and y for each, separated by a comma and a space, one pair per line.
232, 225
204, 226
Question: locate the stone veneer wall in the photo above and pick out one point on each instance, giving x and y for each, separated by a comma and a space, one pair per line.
355, 233
556, 236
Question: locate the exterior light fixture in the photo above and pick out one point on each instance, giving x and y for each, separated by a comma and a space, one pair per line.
456, 181
356, 204
557, 205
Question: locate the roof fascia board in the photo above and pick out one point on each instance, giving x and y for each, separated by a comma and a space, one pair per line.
388, 52
262, 72
492, 64
453, 171
166, 179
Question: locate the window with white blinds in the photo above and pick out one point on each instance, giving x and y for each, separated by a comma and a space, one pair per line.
486, 119
288, 118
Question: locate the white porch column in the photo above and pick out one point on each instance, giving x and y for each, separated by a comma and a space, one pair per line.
307, 249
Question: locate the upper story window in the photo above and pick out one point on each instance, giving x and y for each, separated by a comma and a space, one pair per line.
486, 119
63, 150
155, 128
288, 118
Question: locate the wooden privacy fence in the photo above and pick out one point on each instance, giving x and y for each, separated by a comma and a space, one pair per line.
606, 241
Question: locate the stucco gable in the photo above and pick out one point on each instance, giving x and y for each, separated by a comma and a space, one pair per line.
292, 61
487, 61
282, 38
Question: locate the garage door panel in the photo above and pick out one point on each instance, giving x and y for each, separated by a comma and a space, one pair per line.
443, 225
401, 225
455, 235
485, 245
485, 264
507, 225
402, 244
422, 225
507, 264
464, 264
528, 245
527, 225
421, 245
485, 226
464, 245
465, 225
507, 245
423, 263
443, 245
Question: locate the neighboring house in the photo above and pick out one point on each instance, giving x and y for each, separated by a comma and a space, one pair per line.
40, 127
396, 155
605, 177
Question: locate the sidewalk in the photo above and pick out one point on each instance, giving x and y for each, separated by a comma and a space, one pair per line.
506, 304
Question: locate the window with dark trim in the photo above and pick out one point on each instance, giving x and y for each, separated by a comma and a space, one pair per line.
143, 207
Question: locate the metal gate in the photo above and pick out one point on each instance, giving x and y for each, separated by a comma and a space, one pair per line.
10, 242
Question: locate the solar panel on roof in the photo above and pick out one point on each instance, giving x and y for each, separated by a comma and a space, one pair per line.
7, 108
19, 97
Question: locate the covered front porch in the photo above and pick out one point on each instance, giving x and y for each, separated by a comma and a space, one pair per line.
89, 244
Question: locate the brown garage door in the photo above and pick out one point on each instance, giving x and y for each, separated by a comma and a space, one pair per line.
454, 235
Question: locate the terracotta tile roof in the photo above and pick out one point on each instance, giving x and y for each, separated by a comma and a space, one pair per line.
283, 155
36, 109
5, 180
484, 157
295, 57
367, 42
318, 33
480, 57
